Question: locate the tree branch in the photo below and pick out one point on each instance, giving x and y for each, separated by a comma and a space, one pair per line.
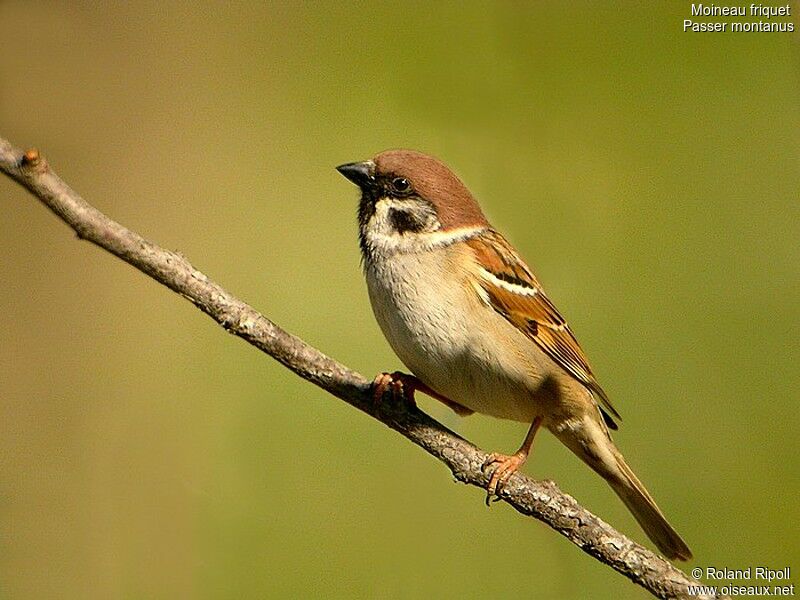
539, 499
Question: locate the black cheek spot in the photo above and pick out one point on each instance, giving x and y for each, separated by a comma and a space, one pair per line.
404, 221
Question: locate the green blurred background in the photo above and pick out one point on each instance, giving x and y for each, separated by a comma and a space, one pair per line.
650, 176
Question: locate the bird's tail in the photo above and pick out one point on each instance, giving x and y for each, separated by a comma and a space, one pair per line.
591, 442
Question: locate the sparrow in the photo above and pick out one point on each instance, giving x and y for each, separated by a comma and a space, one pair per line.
469, 319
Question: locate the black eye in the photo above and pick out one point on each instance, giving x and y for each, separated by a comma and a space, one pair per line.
401, 185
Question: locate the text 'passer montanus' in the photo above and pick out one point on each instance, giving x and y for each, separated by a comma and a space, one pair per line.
466, 315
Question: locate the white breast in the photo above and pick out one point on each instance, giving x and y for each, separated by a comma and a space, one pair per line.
441, 330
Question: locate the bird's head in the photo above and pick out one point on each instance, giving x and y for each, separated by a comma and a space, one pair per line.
407, 196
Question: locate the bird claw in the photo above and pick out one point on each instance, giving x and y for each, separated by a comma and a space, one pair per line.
402, 386
506, 467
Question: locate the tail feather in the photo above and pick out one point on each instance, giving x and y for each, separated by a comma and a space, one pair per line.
649, 516
590, 441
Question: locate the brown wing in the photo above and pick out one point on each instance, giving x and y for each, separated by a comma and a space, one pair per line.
513, 291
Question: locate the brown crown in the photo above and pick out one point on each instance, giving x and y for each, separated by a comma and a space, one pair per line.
435, 182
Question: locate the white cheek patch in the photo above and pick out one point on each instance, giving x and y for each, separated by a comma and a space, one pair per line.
381, 222
386, 206
384, 239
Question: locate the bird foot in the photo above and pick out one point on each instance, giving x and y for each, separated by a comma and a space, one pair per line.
402, 386
506, 467
405, 385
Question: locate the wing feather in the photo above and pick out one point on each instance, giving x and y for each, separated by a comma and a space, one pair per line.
515, 293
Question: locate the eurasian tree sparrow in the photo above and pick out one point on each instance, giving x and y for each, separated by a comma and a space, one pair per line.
467, 316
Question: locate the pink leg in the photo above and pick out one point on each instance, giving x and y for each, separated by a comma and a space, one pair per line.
508, 465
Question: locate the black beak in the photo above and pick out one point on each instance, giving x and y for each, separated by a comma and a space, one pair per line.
360, 173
